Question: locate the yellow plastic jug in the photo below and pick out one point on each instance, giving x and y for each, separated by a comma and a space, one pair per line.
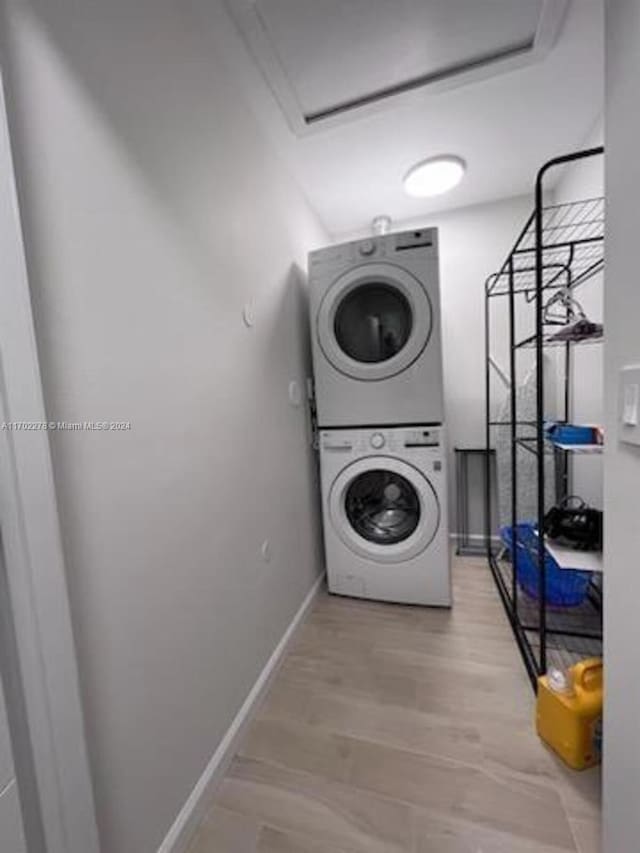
569, 714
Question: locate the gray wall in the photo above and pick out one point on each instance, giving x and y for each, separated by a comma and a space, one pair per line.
154, 210
622, 463
474, 242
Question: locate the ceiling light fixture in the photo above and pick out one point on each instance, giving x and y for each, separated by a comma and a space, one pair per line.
434, 176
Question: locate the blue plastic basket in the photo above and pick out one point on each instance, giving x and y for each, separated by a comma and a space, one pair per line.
571, 434
564, 587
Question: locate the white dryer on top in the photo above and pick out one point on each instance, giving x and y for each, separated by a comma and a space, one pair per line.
375, 325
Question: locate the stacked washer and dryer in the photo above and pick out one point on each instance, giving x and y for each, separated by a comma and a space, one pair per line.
377, 354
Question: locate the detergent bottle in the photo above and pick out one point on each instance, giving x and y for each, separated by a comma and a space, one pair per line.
569, 712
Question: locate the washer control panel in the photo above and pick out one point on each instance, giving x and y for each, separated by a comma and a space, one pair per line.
338, 441
427, 437
391, 440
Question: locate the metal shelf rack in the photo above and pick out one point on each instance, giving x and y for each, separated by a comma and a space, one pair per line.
560, 248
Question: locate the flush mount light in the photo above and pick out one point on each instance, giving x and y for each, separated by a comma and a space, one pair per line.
434, 176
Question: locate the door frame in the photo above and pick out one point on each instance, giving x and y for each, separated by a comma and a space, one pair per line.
33, 555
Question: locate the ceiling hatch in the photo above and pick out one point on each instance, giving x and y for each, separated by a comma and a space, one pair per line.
327, 60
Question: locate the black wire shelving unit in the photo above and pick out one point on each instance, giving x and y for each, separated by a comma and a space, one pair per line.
560, 248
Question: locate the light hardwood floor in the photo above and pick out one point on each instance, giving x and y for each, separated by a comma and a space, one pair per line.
403, 730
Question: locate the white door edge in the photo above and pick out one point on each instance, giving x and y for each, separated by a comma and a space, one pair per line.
33, 555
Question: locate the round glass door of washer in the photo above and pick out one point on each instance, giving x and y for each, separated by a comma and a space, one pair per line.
382, 506
384, 509
374, 321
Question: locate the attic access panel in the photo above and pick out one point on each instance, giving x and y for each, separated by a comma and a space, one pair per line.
327, 60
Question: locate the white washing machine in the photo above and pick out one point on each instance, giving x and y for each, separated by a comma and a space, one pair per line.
375, 327
384, 499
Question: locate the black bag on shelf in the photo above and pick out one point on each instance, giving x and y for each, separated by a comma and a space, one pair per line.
578, 526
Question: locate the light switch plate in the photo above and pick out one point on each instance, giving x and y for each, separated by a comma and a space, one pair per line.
295, 394
629, 404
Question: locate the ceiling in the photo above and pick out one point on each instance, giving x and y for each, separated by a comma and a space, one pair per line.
356, 91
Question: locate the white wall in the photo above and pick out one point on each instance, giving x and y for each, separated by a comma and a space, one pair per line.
474, 241
583, 179
622, 463
154, 210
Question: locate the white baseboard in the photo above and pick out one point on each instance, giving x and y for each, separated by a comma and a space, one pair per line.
199, 800
474, 537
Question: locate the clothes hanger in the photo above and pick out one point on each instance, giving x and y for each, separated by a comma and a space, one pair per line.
563, 308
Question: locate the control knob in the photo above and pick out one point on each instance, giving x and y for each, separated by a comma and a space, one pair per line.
377, 441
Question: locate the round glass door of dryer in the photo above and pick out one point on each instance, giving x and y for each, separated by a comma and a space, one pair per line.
374, 321
384, 509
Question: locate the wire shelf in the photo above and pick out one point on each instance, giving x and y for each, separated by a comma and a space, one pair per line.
530, 442
564, 651
572, 249
582, 622
560, 247
548, 341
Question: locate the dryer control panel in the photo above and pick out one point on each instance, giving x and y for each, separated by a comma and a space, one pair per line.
414, 239
376, 249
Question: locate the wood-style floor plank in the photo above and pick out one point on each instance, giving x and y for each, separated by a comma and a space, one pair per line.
403, 730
